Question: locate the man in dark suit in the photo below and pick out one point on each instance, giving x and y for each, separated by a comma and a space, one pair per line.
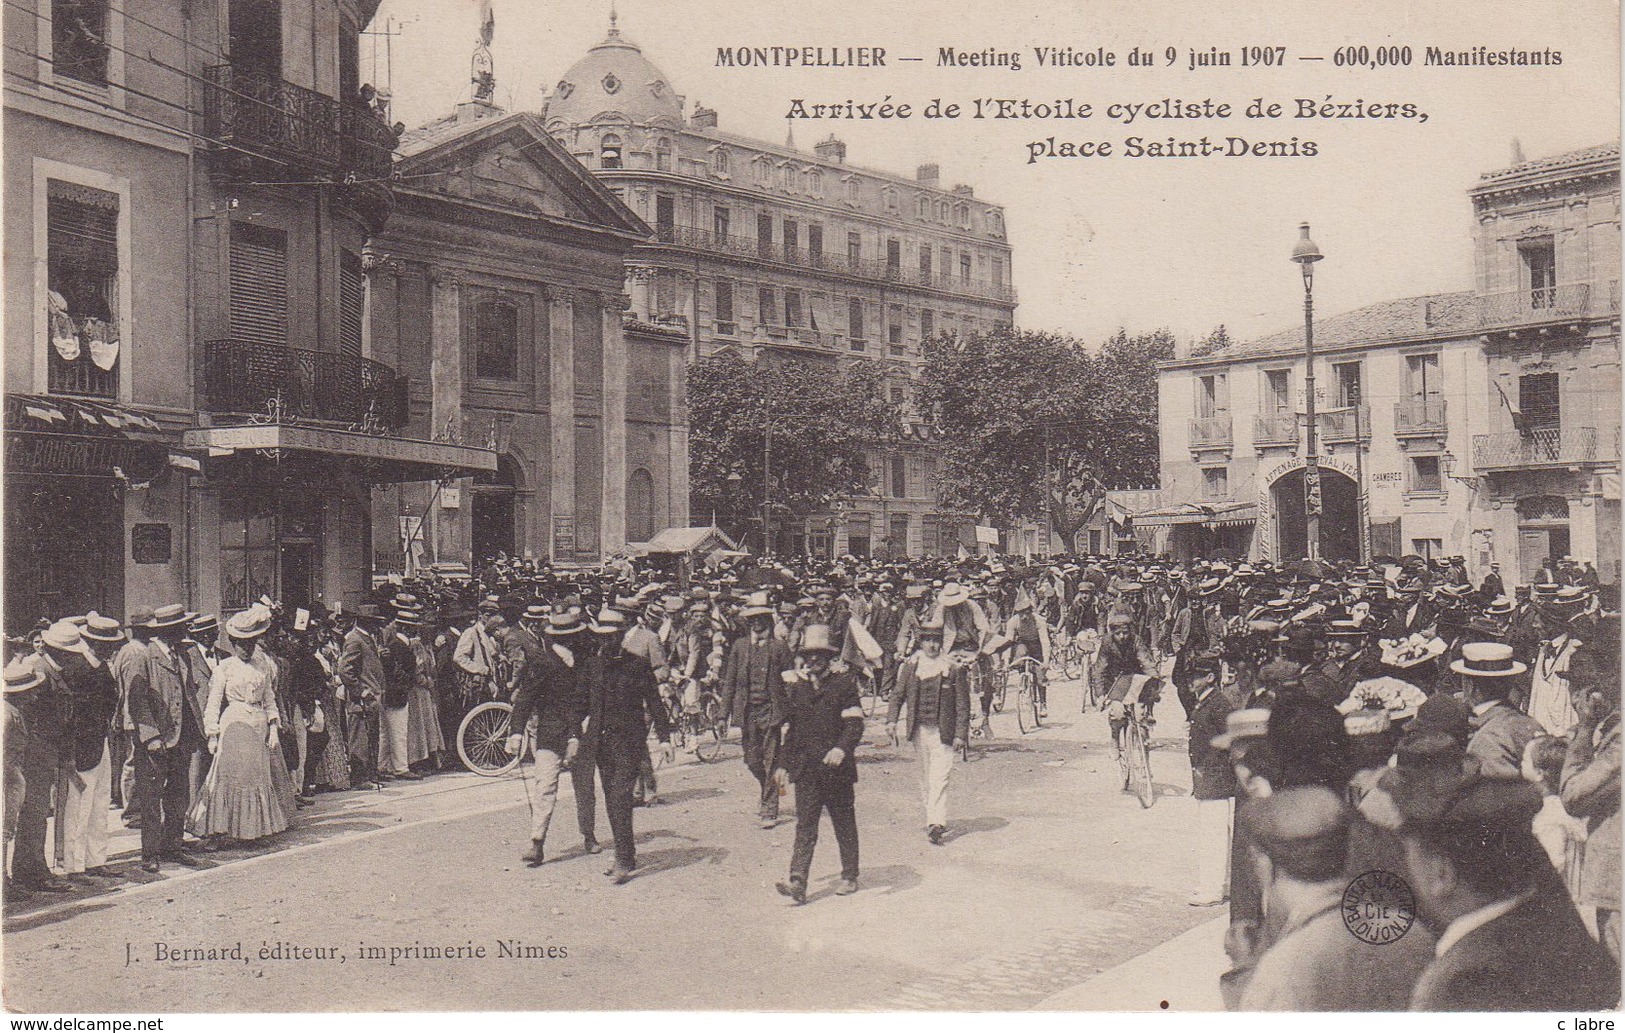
753, 697
1500, 730
1510, 938
544, 673
361, 673
168, 731
47, 711
825, 718
622, 696
1213, 778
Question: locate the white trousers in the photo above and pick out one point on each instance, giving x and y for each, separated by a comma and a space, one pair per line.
392, 730
936, 763
1213, 849
542, 790
83, 801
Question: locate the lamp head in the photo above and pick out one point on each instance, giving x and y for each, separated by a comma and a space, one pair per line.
1306, 254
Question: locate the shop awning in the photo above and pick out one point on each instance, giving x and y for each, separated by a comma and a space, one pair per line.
382, 459
81, 437
681, 540
1224, 514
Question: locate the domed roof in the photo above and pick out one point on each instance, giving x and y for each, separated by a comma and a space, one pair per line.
614, 76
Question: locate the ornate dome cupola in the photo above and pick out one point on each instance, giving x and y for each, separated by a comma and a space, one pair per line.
614, 82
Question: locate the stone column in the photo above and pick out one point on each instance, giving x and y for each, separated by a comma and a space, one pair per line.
561, 408
445, 536
612, 518
677, 438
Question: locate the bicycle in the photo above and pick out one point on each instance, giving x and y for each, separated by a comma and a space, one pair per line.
1028, 670
697, 720
482, 739
1133, 743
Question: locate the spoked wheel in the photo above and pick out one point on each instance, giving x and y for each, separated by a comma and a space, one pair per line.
1000, 687
674, 716
713, 730
1122, 758
869, 697
1139, 766
482, 740
1026, 705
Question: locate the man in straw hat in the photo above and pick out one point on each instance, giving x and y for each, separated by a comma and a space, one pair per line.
547, 690
361, 673
753, 697
825, 718
168, 730
399, 656
23, 679
937, 693
84, 780
1501, 731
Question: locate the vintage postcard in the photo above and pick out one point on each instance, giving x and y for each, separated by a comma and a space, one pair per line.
1049, 505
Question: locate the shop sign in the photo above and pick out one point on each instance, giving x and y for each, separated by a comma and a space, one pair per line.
150, 543
564, 535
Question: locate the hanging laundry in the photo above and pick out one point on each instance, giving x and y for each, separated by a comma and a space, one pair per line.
64, 335
103, 343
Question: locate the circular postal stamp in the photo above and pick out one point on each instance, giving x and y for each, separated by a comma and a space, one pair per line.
1378, 907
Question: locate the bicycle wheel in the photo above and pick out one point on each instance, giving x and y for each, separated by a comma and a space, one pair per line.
1139, 763
1122, 742
869, 695
1000, 687
713, 729
482, 740
1026, 704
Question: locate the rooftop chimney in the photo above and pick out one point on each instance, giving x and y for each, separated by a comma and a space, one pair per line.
831, 149
964, 190
703, 117
476, 109
927, 175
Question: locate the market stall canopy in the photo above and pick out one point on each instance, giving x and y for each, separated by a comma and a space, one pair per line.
688, 541
1221, 514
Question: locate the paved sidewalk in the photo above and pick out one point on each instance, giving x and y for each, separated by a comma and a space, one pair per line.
1183, 972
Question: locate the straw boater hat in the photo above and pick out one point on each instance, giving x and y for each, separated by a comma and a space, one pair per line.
1500, 606
101, 629
64, 636
1487, 660
536, 612
1239, 725
609, 622
567, 623
953, 593
23, 674
250, 623
756, 605
931, 629
204, 624
170, 616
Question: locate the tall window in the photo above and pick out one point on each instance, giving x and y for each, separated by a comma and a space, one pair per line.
925, 263
928, 324
899, 478
1540, 401
815, 183
998, 271
854, 247
922, 207
719, 223
764, 234
1422, 376
663, 154
496, 340
666, 217
792, 308
764, 306
1540, 269
259, 285
815, 242
888, 196
719, 161
854, 318
792, 235
79, 47
640, 506
725, 307
894, 329
1349, 387
82, 270
852, 190
609, 152
894, 257
1212, 396
349, 62
964, 266
1277, 391
248, 550
256, 38
352, 301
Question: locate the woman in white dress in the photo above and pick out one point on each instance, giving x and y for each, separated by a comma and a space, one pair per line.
248, 794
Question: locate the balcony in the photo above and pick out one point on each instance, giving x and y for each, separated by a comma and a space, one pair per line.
1536, 305
289, 124
1548, 446
1339, 427
760, 250
262, 380
1419, 418
1210, 432
1275, 429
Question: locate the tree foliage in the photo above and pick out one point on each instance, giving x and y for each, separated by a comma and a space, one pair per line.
1033, 426
804, 426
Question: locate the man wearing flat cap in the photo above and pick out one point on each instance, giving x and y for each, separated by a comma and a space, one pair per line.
1315, 963
1509, 938
825, 723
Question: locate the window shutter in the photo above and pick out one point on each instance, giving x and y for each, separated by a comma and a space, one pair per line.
259, 286
352, 294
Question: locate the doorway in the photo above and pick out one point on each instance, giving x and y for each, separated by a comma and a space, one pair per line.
495, 512
1543, 534
1339, 517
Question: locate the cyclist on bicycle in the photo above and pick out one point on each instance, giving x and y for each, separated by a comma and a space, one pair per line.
1122, 653
965, 630
1029, 637
1131, 698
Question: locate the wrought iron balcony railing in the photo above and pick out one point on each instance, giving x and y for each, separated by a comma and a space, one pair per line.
766, 251
263, 380
1279, 428
1535, 305
1549, 446
289, 123
1336, 427
1210, 432
1419, 417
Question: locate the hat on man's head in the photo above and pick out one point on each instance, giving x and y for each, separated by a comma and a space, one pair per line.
490, 604
609, 622
171, 616
23, 674
101, 629
1474, 803
953, 593
932, 629
203, 624
64, 636
1303, 830
1500, 606
817, 638
1487, 660
566, 623
1241, 725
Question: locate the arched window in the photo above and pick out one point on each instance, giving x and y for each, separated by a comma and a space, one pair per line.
719, 161
764, 170
922, 207
609, 152
962, 215
852, 189
888, 196
640, 506
663, 154
815, 183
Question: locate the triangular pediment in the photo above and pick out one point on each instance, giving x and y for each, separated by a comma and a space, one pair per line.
510, 161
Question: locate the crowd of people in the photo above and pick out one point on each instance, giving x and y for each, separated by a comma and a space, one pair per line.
1342, 719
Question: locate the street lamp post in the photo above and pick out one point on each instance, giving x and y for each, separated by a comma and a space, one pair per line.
1306, 254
